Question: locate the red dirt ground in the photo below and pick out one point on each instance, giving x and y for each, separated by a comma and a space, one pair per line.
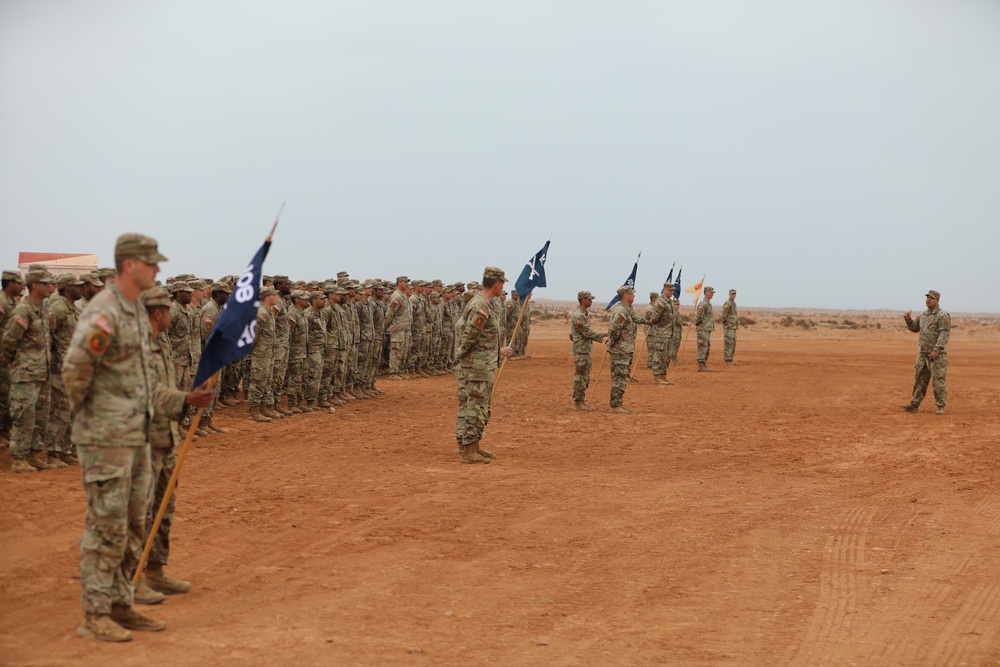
783, 512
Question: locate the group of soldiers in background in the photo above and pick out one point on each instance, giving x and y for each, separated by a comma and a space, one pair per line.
321, 344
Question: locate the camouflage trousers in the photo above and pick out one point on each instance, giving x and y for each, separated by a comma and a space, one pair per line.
448, 347
4, 398
364, 363
343, 374
659, 357
295, 381
581, 376
521, 340
474, 410
278, 377
413, 354
933, 373
117, 483
621, 365
398, 351
674, 346
328, 372
217, 391
728, 344
183, 377
29, 413
261, 372
704, 345
351, 376
313, 375
60, 421
372, 363
163, 460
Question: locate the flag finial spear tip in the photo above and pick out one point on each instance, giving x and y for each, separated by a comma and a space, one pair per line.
276, 219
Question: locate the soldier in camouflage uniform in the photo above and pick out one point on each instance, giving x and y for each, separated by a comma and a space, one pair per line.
479, 352
447, 327
418, 322
92, 285
316, 341
378, 335
398, 324
295, 377
621, 346
660, 319
704, 322
25, 346
512, 311
730, 323
282, 331
934, 327
583, 338
653, 296
106, 374
209, 315
13, 285
521, 344
262, 364
335, 354
62, 323
678, 334
182, 332
366, 339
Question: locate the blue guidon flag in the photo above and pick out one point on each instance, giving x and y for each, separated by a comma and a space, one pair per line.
533, 273
677, 284
630, 281
234, 333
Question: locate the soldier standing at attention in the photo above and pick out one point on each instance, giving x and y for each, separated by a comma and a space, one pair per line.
661, 327
13, 285
934, 327
583, 338
621, 339
26, 348
295, 376
730, 323
106, 373
705, 323
315, 349
62, 324
282, 331
678, 334
262, 365
209, 315
479, 352
397, 323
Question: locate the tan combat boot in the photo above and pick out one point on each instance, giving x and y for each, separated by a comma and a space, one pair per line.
909, 407
661, 379
580, 406
310, 406
55, 461
160, 581
39, 461
255, 415
336, 402
395, 377
282, 410
703, 367
324, 403
129, 617
485, 453
295, 409
20, 465
70, 460
470, 455
620, 410
100, 626
146, 595
269, 411
210, 425
229, 401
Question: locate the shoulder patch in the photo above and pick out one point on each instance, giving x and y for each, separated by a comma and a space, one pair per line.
621, 317
99, 342
23, 322
481, 311
105, 326
480, 321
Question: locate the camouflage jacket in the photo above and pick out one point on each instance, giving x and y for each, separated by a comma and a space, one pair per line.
62, 324
207, 318
353, 320
660, 317
397, 316
479, 347
299, 333
581, 334
378, 319
7, 306
108, 375
621, 331
705, 319
366, 329
730, 316
316, 327
281, 327
180, 334
418, 316
934, 327
80, 305
264, 342
163, 430
25, 345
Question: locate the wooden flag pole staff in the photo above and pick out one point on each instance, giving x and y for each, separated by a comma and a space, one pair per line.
601, 369
694, 311
635, 359
171, 485
524, 306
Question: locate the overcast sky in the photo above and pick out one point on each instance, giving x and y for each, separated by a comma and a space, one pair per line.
841, 154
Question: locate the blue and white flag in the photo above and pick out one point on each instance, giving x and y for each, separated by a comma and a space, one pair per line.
533, 273
630, 281
235, 331
677, 283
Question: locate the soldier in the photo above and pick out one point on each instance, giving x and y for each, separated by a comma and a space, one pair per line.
182, 331
366, 339
282, 330
62, 323
934, 327
295, 376
621, 342
513, 310
653, 296
730, 323
163, 438
262, 365
661, 328
335, 354
418, 322
106, 375
583, 338
13, 285
91, 286
397, 323
678, 334
479, 351
378, 335
26, 348
209, 315
705, 323
316, 341
521, 344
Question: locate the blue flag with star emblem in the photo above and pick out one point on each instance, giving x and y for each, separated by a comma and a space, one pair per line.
235, 331
630, 281
533, 273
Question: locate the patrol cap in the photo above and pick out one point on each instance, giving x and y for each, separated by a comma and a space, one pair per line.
329, 288
653, 296
299, 294
143, 248
37, 276
267, 279
580, 296
343, 274
281, 279
317, 295
378, 285
197, 284
13, 275
435, 295
180, 286
495, 273
267, 291
402, 279
933, 293
389, 285
108, 272
732, 291
91, 279
68, 279
625, 289
157, 297
222, 287
437, 282
710, 289
353, 285
473, 284
186, 277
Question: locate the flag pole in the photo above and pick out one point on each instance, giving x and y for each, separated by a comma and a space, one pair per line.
635, 360
600, 369
520, 316
694, 311
172, 484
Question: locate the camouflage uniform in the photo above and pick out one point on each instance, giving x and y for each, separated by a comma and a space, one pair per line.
282, 330
478, 356
207, 317
621, 341
62, 324
583, 338
183, 331
108, 377
262, 363
521, 344
366, 341
398, 323
705, 324
513, 310
297, 348
730, 323
345, 332
378, 335
7, 305
661, 329
678, 332
316, 340
418, 322
934, 327
447, 332
25, 347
